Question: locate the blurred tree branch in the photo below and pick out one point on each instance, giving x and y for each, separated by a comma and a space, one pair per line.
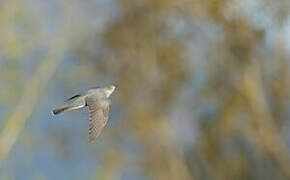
14, 123
34, 87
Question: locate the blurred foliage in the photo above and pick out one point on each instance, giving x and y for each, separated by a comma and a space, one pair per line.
221, 66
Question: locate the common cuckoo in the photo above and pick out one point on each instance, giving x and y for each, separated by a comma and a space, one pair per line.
98, 102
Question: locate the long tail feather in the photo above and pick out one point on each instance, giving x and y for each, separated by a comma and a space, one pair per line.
67, 108
60, 110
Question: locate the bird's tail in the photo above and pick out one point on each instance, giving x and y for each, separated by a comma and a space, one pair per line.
65, 108
60, 110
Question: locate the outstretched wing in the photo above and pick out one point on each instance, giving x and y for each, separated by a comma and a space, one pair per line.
99, 114
71, 98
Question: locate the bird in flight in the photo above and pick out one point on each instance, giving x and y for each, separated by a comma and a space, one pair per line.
98, 102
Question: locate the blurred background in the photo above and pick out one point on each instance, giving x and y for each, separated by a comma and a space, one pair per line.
204, 89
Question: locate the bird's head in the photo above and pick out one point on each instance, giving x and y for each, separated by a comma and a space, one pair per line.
110, 89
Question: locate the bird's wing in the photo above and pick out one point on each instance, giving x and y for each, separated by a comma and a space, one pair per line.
99, 113
71, 98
